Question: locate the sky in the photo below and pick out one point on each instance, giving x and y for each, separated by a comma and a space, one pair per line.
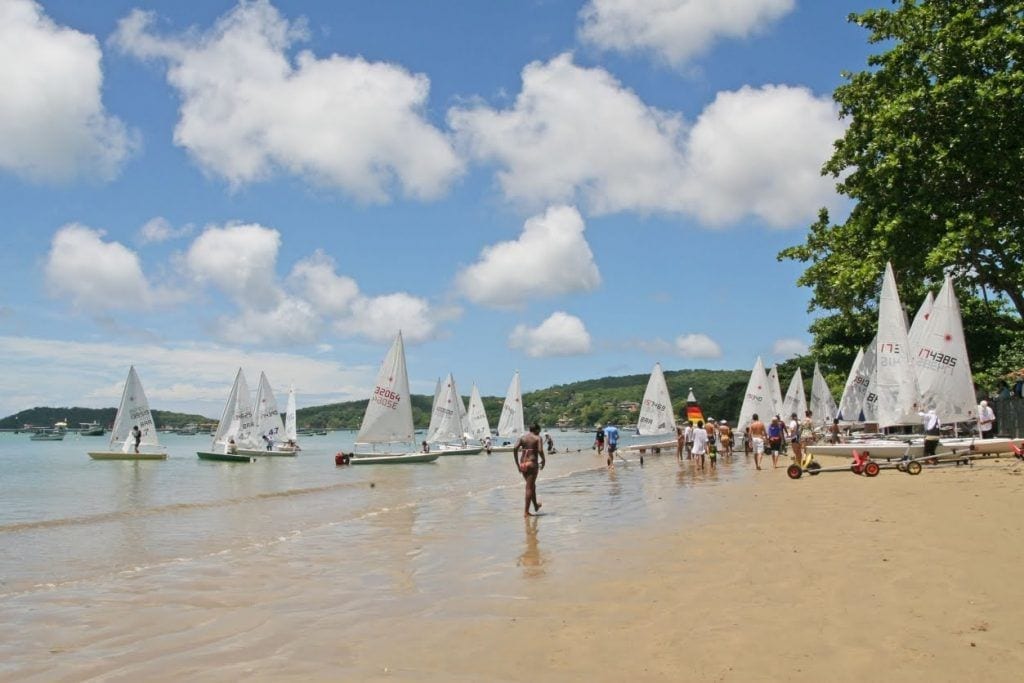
570, 189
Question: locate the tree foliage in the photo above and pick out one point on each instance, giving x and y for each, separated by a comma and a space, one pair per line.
933, 160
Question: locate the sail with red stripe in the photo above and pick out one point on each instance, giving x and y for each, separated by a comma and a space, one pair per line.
693, 412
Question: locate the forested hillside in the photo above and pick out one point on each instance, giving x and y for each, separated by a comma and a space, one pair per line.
47, 417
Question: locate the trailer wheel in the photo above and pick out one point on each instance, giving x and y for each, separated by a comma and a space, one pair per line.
902, 467
871, 469
794, 471
914, 468
813, 468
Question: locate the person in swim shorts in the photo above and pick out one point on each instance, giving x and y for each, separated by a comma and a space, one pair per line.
611, 433
599, 440
757, 436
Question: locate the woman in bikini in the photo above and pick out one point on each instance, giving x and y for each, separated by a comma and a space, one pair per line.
530, 464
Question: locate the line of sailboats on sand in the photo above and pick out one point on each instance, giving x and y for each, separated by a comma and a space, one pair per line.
902, 374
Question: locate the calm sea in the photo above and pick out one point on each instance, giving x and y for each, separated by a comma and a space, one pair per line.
76, 533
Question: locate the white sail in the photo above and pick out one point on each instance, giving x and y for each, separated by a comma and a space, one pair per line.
265, 412
388, 416
432, 427
446, 416
236, 420
895, 382
510, 424
477, 424
943, 369
852, 402
290, 426
656, 414
757, 400
133, 411
823, 406
920, 322
796, 399
775, 391
869, 405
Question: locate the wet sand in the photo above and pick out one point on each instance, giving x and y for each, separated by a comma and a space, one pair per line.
834, 577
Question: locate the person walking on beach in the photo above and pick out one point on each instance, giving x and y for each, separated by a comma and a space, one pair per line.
137, 436
776, 432
530, 464
688, 435
700, 443
725, 437
795, 430
932, 429
680, 443
599, 440
611, 433
757, 434
833, 431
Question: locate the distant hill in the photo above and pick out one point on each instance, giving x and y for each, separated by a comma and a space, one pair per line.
579, 404
47, 417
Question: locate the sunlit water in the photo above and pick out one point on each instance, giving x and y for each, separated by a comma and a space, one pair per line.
89, 530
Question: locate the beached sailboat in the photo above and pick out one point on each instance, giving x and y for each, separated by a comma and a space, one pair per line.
291, 432
757, 399
852, 402
823, 406
132, 412
795, 402
447, 418
895, 381
510, 423
236, 423
775, 392
943, 368
388, 416
656, 414
268, 429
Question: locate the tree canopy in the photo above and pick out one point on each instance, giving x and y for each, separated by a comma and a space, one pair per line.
933, 159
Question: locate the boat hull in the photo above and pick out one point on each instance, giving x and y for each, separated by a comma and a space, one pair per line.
469, 450
879, 450
224, 457
46, 437
118, 455
502, 449
392, 458
650, 447
266, 453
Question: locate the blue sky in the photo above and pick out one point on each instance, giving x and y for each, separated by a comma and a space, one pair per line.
571, 189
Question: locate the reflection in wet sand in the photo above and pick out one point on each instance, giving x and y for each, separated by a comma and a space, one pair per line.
532, 560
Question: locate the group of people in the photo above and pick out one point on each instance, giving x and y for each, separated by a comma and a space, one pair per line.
779, 436
704, 440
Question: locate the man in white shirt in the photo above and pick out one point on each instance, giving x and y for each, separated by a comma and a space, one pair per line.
986, 420
700, 442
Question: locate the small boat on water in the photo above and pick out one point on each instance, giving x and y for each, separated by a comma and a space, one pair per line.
47, 435
236, 426
510, 423
91, 429
656, 416
388, 416
132, 413
269, 426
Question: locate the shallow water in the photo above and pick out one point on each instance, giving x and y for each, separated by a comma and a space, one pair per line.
89, 545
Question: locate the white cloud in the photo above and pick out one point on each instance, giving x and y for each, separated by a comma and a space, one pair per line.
379, 318
576, 134
674, 30
697, 346
159, 229
188, 377
317, 281
248, 109
291, 321
97, 275
759, 151
785, 348
551, 257
53, 126
241, 260
560, 335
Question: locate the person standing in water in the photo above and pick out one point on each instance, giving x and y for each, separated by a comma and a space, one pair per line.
611, 434
700, 443
599, 440
530, 464
137, 435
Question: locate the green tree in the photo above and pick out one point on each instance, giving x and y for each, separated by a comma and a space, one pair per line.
933, 159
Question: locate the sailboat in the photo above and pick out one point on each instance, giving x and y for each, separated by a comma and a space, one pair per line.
291, 432
447, 417
775, 392
693, 412
388, 416
895, 381
510, 424
656, 414
236, 422
757, 400
796, 400
477, 426
268, 425
823, 406
133, 411
851, 405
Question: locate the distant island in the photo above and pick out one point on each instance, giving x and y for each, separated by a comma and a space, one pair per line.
579, 404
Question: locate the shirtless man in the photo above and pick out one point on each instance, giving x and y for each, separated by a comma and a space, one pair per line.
530, 464
758, 434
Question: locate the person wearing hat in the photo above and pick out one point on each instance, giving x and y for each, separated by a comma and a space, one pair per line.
776, 432
725, 437
986, 420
